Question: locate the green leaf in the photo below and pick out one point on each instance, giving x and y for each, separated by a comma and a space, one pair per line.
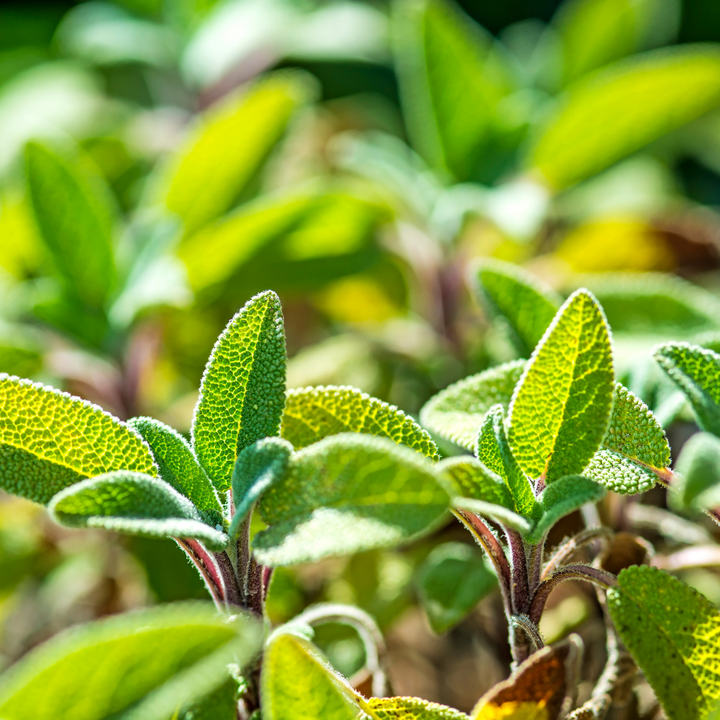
145, 665
76, 219
227, 148
564, 496
257, 468
346, 494
673, 633
698, 474
297, 683
451, 582
409, 708
220, 704
618, 110
457, 412
452, 82
135, 504
561, 407
242, 393
179, 466
473, 480
634, 450
498, 513
49, 440
314, 413
494, 452
526, 303
696, 372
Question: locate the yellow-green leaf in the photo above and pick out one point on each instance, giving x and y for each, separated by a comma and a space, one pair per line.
410, 708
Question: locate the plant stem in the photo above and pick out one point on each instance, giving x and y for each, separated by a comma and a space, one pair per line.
233, 596
519, 587
563, 553
207, 567
535, 565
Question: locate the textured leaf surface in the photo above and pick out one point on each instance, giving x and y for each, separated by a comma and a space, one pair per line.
495, 512
178, 465
227, 148
634, 448
526, 303
560, 409
696, 372
161, 659
312, 414
346, 494
451, 582
242, 393
49, 440
408, 708
622, 108
474, 480
698, 473
673, 633
457, 412
76, 221
297, 684
133, 503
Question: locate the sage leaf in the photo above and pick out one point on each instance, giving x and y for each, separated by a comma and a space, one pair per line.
50, 440
409, 708
698, 474
456, 412
560, 409
346, 494
522, 300
242, 393
135, 504
221, 704
144, 665
696, 371
498, 513
178, 465
673, 633
619, 109
314, 413
451, 582
298, 684
76, 220
472, 479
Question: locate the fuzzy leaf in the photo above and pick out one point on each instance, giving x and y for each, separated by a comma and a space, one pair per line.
297, 684
135, 504
49, 440
226, 149
143, 665
696, 372
242, 393
560, 409
526, 303
179, 466
451, 582
634, 449
698, 474
257, 468
498, 513
76, 220
457, 412
472, 479
409, 708
346, 494
673, 633
616, 111
314, 413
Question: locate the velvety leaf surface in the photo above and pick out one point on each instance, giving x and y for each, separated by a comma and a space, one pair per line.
178, 465
314, 413
616, 111
133, 503
560, 409
451, 582
696, 372
474, 480
495, 512
49, 440
457, 412
698, 473
148, 664
297, 684
242, 393
227, 147
346, 494
409, 708
526, 303
673, 633
76, 220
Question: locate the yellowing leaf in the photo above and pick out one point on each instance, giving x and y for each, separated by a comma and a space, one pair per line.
408, 708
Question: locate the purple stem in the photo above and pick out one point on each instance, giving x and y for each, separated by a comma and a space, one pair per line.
207, 567
571, 546
519, 588
232, 589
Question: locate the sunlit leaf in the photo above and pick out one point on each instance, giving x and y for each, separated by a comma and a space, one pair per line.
474, 480
409, 708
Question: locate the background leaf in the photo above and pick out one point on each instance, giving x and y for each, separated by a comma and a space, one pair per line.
242, 392
673, 633
697, 475
49, 440
346, 494
312, 414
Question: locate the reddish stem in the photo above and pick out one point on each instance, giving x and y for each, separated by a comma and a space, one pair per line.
207, 567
